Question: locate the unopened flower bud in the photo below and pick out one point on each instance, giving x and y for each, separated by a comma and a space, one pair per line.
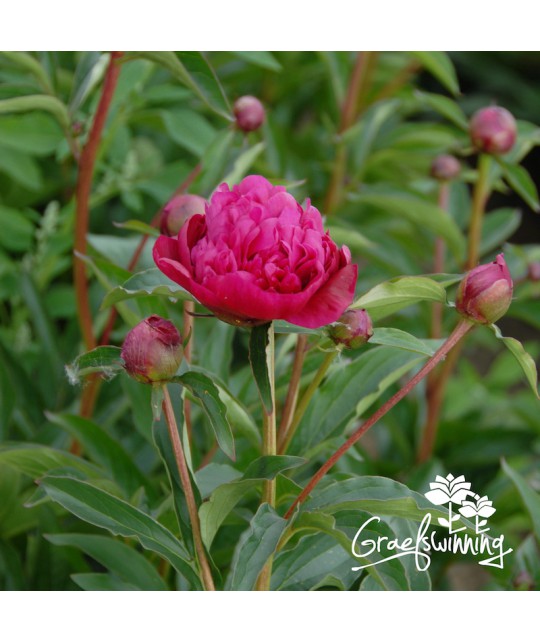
178, 210
352, 330
485, 293
534, 271
249, 113
493, 130
445, 167
152, 350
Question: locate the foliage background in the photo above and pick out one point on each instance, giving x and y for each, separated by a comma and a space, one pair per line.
157, 132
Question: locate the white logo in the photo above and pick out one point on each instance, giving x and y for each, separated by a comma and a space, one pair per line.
461, 501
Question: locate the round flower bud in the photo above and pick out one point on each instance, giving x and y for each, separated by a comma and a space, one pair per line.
493, 130
152, 350
249, 113
485, 293
445, 167
178, 210
352, 330
534, 271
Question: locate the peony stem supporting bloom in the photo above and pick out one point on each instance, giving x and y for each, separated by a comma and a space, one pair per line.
257, 255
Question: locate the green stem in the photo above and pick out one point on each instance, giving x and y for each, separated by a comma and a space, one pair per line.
206, 573
480, 197
306, 399
460, 330
358, 84
294, 385
269, 448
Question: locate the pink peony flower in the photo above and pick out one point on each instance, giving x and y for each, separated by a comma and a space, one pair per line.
257, 255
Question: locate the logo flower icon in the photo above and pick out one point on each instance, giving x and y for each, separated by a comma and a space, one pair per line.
479, 507
449, 491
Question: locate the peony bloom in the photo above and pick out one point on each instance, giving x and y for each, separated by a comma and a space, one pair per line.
152, 350
485, 293
352, 330
257, 255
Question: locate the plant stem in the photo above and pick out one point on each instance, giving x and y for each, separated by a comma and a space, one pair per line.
269, 448
306, 399
84, 187
188, 330
460, 330
438, 264
294, 386
435, 393
480, 197
206, 574
436, 384
357, 86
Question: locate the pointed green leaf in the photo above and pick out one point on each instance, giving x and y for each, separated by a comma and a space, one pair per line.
202, 387
100, 508
395, 294
531, 499
104, 359
124, 561
526, 362
260, 360
142, 284
255, 547
440, 66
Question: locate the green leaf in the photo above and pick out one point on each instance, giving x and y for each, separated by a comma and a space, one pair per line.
243, 164
400, 339
39, 101
35, 133
318, 559
138, 226
263, 59
17, 230
205, 390
193, 70
104, 450
103, 510
498, 226
88, 75
124, 561
376, 495
223, 500
395, 294
189, 130
530, 498
254, 548
440, 66
103, 359
260, 361
27, 62
92, 582
526, 362
445, 107
348, 391
36, 460
520, 180
142, 284
421, 213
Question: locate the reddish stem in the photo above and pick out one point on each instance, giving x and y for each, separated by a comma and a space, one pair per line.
461, 329
82, 196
